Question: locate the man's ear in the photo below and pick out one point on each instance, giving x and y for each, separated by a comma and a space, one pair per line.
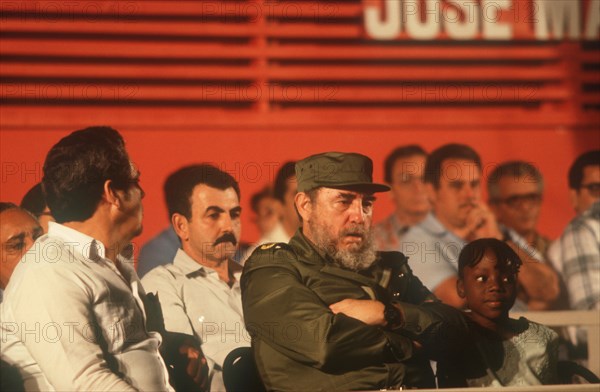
460, 288
110, 194
574, 199
180, 225
303, 205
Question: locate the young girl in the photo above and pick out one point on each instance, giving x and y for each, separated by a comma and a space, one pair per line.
502, 351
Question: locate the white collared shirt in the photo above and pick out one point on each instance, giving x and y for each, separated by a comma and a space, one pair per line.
71, 314
195, 301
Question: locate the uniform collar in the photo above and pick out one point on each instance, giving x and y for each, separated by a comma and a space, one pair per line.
303, 246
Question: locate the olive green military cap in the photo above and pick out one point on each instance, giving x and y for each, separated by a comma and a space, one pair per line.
337, 170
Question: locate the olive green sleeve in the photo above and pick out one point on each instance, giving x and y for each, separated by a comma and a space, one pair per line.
439, 328
281, 311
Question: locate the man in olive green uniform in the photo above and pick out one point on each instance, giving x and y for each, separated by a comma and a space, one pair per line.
328, 312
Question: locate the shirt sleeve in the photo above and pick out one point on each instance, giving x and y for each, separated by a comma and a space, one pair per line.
161, 282
53, 307
576, 255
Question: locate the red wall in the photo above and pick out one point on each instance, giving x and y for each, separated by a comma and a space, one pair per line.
253, 156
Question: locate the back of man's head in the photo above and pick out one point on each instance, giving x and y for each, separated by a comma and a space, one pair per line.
179, 186
77, 167
34, 200
435, 160
281, 183
522, 170
400, 153
590, 158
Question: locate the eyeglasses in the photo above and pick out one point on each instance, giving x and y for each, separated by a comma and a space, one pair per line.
592, 187
516, 201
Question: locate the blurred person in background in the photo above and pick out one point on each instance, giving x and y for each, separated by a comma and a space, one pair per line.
266, 210
403, 172
284, 191
459, 215
18, 232
576, 254
515, 191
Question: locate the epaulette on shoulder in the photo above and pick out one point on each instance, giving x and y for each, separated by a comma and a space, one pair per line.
273, 246
269, 253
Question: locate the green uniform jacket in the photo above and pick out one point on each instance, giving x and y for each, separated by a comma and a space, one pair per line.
300, 345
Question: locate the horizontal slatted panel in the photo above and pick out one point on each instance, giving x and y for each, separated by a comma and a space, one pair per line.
278, 62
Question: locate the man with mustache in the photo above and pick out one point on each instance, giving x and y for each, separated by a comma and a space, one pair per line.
327, 311
453, 183
199, 292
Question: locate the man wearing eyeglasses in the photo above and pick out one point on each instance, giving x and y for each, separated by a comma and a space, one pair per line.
459, 215
576, 254
515, 191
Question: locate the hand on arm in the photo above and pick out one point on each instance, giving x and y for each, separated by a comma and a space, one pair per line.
197, 368
324, 336
537, 279
368, 311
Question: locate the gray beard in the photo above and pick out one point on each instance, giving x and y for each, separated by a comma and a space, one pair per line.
355, 258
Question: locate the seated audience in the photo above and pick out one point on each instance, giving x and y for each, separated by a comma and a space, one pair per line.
403, 168
34, 201
266, 211
199, 291
18, 232
515, 191
500, 351
576, 254
284, 191
453, 183
74, 312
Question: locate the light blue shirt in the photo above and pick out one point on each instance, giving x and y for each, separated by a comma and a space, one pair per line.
432, 251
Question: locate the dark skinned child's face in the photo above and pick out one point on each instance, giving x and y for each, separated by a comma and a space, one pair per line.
489, 289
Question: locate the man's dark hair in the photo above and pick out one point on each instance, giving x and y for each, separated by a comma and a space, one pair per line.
180, 185
474, 251
6, 205
590, 158
34, 200
399, 153
258, 196
280, 186
513, 169
433, 166
77, 167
